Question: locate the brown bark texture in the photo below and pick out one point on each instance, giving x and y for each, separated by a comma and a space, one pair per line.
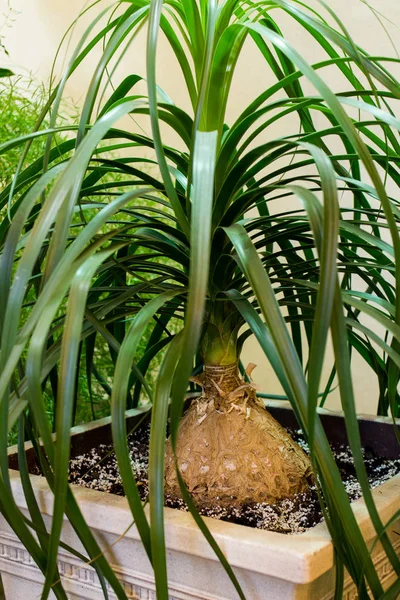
231, 451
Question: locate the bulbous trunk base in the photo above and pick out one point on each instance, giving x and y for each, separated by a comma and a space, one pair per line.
231, 451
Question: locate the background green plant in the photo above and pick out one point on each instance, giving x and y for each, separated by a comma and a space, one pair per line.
115, 235
22, 101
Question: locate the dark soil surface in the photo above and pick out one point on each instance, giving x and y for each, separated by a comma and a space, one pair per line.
98, 470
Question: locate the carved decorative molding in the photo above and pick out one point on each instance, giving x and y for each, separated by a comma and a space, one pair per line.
383, 568
71, 569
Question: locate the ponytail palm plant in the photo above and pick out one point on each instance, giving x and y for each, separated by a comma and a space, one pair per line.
115, 233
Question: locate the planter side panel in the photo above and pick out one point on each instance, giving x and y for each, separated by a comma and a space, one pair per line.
191, 577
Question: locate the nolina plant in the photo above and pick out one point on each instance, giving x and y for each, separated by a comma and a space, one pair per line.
290, 277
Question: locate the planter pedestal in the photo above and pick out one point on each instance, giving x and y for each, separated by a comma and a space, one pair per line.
267, 564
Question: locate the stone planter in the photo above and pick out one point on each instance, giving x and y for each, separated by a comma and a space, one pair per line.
268, 565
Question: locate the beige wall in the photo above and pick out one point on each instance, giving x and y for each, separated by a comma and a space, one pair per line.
35, 35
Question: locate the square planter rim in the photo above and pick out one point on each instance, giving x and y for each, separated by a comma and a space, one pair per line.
306, 556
